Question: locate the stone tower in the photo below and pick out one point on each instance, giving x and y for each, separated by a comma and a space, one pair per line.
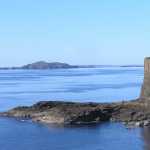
145, 92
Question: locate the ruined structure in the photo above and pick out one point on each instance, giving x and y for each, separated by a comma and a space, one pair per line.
145, 92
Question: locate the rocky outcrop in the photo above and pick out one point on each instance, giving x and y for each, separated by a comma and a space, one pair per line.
131, 113
134, 113
63, 112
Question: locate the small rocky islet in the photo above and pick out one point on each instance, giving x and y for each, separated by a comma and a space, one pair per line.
132, 113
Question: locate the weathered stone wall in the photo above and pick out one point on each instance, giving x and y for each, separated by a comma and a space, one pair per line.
145, 91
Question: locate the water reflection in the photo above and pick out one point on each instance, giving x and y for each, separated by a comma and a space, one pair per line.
32, 136
146, 138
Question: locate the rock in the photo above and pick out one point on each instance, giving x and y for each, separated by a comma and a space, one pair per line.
63, 112
139, 124
83, 113
146, 123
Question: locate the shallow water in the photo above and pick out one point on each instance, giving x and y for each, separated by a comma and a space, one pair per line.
21, 87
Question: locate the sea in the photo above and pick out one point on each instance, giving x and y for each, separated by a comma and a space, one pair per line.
103, 84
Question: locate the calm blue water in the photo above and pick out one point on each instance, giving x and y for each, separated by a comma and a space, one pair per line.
20, 87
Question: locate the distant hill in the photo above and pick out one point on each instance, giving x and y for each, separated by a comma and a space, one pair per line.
46, 65
43, 65
58, 65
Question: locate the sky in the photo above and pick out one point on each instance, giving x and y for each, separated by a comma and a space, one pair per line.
100, 32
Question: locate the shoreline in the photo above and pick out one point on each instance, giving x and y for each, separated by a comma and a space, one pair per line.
132, 113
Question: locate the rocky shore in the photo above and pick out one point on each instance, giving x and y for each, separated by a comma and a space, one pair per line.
131, 113
135, 113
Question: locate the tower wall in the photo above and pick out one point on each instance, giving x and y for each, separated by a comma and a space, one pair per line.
145, 91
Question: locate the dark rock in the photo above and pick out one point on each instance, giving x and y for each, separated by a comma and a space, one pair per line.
63, 112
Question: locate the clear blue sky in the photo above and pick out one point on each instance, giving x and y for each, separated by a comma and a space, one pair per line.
74, 31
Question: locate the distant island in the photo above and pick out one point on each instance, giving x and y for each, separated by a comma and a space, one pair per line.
58, 65
47, 65
43, 65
